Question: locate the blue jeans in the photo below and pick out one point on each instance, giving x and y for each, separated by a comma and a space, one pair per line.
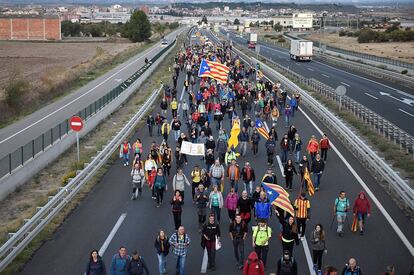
215, 181
176, 134
297, 156
180, 264
162, 263
317, 179
215, 210
234, 184
284, 155
125, 157
287, 120
248, 186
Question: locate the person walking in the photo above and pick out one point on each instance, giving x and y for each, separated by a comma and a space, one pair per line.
253, 265
288, 115
162, 246
231, 204
176, 126
238, 233
318, 165
325, 146
351, 268
248, 177
245, 206
136, 265
302, 212
313, 147
195, 179
233, 174
124, 151
215, 202
180, 242
96, 265
210, 235
263, 208
285, 147
160, 186
340, 209
287, 265
303, 165
255, 138
119, 262
179, 182
174, 107
244, 140
318, 246
201, 201
138, 177
260, 241
270, 150
177, 209
165, 130
216, 173
361, 209
150, 124
166, 159
297, 148
288, 171
289, 234
137, 148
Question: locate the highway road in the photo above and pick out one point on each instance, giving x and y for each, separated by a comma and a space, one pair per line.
391, 101
108, 211
30, 127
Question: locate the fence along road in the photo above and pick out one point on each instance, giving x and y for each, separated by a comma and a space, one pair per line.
29, 137
393, 102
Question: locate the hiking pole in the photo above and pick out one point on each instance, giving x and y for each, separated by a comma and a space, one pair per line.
347, 223
333, 219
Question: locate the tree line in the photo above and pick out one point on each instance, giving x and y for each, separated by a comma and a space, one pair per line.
137, 29
392, 34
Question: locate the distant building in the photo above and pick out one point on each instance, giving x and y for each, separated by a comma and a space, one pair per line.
226, 9
30, 27
302, 20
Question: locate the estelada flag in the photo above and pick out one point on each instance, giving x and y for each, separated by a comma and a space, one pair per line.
354, 226
306, 177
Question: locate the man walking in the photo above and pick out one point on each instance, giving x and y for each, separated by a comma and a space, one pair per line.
341, 208
180, 242
302, 209
211, 232
317, 168
261, 236
238, 233
249, 177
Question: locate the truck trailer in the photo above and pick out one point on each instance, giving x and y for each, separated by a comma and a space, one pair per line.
251, 40
301, 50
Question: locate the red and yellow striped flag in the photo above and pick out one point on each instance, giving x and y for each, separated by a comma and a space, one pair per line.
306, 177
354, 226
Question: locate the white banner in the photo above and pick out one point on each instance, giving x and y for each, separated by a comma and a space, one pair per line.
192, 149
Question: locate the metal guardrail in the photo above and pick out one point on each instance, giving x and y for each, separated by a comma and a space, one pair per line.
381, 170
368, 69
19, 240
29, 151
379, 124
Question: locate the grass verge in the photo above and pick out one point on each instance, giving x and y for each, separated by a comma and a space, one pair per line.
22, 204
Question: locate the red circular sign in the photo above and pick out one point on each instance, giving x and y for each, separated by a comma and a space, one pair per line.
76, 123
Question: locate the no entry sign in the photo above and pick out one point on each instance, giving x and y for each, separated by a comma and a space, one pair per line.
76, 123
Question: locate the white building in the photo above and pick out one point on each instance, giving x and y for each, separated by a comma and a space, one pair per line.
302, 20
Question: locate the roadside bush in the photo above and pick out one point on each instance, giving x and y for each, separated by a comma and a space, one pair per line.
16, 90
281, 40
366, 36
342, 33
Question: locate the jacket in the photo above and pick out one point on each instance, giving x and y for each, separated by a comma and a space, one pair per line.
179, 182
255, 138
347, 271
211, 231
137, 267
137, 175
243, 136
160, 182
231, 201
245, 175
96, 268
176, 204
270, 146
245, 205
165, 126
362, 206
220, 197
288, 234
324, 143
316, 242
287, 267
233, 169
253, 266
162, 246
313, 146
221, 146
317, 166
119, 265
263, 210
201, 199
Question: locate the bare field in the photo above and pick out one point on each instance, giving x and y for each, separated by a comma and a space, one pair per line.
32, 59
403, 51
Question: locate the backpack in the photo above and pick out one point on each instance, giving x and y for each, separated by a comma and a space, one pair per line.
337, 202
270, 149
286, 268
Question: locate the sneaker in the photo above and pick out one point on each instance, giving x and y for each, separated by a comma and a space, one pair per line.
133, 197
316, 188
361, 232
158, 205
124, 164
302, 238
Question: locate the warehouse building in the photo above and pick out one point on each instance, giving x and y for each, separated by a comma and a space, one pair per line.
30, 27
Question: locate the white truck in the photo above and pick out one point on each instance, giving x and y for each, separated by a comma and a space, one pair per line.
301, 50
251, 40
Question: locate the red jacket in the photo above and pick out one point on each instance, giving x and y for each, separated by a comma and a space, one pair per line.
324, 143
253, 266
362, 205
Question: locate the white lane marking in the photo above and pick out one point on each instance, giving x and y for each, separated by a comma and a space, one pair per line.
387, 216
404, 100
370, 95
327, 76
118, 79
204, 262
76, 99
310, 69
367, 79
346, 84
112, 234
304, 241
406, 112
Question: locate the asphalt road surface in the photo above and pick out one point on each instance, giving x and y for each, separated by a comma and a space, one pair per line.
391, 101
30, 127
109, 203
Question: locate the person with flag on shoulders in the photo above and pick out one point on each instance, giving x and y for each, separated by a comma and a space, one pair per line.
269, 177
302, 213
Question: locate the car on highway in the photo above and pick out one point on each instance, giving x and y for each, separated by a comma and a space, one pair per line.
251, 45
164, 42
193, 36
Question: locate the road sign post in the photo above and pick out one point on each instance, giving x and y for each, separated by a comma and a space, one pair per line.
341, 91
76, 124
257, 51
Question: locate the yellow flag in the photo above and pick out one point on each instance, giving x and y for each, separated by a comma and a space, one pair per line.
308, 180
234, 135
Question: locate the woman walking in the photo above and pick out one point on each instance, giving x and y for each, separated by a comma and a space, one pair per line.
163, 247
177, 209
318, 247
95, 266
160, 185
289, 234
288, 172
231, 204
216, 202
362, 208
138, 177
